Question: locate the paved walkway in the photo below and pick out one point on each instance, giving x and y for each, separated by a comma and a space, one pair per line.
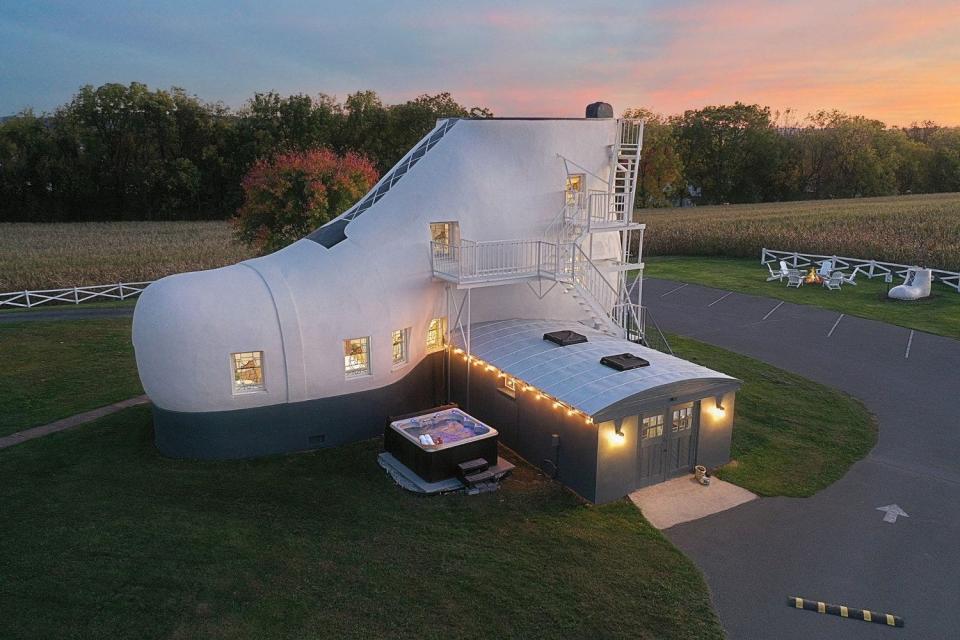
683, 499
836, 546
69, 423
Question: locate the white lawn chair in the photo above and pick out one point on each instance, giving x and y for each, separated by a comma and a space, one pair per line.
826, 268
778, 275
834, 281
794, 278
852, 278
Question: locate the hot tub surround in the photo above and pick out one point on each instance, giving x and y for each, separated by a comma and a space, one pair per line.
434, 463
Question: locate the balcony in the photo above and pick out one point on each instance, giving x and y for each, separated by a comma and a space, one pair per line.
473, 264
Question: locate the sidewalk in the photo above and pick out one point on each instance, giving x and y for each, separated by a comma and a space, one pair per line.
70, 422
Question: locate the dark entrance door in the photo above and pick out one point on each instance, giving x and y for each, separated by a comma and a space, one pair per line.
681, 447
652, 467
668, 443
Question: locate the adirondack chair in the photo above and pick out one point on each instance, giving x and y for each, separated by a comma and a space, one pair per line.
835, 281
778, 275
852, 278
826, 268
794, 278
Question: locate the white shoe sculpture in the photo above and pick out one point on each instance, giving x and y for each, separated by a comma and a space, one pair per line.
915, 286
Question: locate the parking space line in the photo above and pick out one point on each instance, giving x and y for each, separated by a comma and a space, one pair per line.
770, 313
664, 295
720, 298
834, 327
909, 342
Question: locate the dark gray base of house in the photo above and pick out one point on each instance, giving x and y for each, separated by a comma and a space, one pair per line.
298, 426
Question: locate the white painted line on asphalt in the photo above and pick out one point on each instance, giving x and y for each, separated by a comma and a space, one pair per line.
909, 342
720, 298
672, 290
891, 512
834, 327
772, 310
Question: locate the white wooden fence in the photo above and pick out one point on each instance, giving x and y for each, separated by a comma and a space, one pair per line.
869, 268
73, 295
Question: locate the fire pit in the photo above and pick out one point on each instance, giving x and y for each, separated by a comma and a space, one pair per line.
813, 277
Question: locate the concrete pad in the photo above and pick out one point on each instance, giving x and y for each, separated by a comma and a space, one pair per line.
684, 499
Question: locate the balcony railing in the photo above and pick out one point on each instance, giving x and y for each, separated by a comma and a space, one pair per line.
473, 262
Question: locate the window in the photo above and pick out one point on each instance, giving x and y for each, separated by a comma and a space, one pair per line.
682, 419
356, 357
247, 371
437, 334
401, 341
443, 236
575, 185
652, 427
508, 386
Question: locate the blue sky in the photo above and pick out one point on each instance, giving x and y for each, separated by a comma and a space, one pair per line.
892, 60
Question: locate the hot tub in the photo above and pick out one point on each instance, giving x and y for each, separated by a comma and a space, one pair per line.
457, 435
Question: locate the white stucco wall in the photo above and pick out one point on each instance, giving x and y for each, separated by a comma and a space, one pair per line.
500, 179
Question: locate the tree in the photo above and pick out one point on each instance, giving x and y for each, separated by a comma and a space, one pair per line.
291, 194
660, 174
731, 153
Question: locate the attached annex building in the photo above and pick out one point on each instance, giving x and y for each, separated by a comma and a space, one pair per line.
486, 235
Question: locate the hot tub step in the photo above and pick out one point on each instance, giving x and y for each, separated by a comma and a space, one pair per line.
472, 466
487, 475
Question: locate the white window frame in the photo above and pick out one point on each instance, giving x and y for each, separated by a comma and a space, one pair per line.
567, 191
405, 338
353, 373
239, 389
441, 341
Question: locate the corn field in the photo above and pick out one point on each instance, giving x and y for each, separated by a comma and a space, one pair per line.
922, 229
47, 256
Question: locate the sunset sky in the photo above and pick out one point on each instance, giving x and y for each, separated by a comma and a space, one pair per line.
895, 61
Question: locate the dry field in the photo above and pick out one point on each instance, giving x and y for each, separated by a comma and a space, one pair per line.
47, 256
901, 229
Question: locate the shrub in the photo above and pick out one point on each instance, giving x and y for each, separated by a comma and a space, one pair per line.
289, 195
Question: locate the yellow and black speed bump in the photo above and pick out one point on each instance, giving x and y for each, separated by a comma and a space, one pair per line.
845, 612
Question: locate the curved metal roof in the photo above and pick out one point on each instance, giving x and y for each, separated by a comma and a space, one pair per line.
573, 374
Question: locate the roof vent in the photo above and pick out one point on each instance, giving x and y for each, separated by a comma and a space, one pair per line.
624, 362
565, 338
599, 110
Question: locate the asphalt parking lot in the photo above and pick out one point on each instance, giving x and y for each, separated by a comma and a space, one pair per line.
836, 546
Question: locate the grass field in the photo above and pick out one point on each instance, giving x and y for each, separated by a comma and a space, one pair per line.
900, 229
57, 369
49, 256
791, 436
107, 539
938, 314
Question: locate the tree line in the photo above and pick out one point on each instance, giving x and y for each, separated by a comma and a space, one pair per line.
745, 153
126, 152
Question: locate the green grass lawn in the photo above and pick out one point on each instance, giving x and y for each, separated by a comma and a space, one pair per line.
103, 538
58, 368
791, 436
939, 314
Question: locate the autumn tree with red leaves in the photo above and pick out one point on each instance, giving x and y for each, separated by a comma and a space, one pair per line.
291, 194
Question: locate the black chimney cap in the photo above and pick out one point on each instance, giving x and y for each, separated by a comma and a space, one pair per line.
599, 110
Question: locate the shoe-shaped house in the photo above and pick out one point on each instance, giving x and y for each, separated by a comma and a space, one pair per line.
372, 315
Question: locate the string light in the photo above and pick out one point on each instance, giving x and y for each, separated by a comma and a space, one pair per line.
539, 395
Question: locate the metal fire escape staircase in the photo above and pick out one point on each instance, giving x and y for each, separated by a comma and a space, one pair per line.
607, 290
